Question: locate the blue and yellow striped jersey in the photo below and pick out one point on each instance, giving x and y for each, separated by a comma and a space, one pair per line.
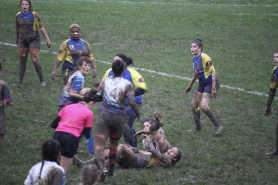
203, 67
28, 24
274, 78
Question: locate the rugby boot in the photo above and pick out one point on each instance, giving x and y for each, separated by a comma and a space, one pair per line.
273, 153
77, 162
158, 119
218, 130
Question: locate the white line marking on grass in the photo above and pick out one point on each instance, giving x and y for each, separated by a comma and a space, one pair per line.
249, 14
157, 73
172, 3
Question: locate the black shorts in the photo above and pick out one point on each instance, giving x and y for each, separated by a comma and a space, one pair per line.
110, 124
69, 143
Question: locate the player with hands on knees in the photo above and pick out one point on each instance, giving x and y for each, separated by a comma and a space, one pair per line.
208, 86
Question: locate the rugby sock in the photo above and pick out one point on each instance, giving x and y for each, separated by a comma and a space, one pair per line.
276, 140
209, 113
197, 117
39, 71
100, 159
22, 68
112, 160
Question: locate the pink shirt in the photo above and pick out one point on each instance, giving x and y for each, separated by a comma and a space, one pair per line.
74, 118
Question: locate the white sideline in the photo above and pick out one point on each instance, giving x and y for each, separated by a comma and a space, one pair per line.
173, 3
158, 73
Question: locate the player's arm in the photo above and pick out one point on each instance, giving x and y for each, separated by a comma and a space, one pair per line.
60, 58
140, 86
271, 94
213, 90
193, 79
16, 31
132, 102
7, 96
39, 24
55, 122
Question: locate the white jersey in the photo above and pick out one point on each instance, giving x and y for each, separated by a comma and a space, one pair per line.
114, 91
51, 174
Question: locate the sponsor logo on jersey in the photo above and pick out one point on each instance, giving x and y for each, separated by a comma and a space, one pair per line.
141, 80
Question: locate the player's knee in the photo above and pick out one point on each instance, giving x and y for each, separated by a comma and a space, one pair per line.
204, 107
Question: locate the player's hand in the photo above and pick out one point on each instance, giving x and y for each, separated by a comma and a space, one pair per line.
96, 84
268, 111
187, 90
213, 93
138, 117
48, 43
53, 75
94, 73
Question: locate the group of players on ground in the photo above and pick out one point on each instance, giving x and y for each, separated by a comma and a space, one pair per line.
121, 93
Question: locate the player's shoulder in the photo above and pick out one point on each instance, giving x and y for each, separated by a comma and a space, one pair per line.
35, 13
18, 13
2, 82
204, 55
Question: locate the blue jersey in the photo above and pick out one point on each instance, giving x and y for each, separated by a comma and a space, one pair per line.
274, 78
71, 50
203, 68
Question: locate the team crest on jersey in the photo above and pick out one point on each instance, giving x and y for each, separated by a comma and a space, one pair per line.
71, 47
141, 80
209, 63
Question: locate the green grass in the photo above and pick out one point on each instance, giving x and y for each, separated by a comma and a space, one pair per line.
240, 37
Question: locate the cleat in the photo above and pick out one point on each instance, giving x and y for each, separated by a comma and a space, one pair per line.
43, 84
77, 162
103, 175
218, 130
273, 153
158, 119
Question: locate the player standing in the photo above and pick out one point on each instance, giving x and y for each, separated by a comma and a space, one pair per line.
208, 85
28, 39
272, 91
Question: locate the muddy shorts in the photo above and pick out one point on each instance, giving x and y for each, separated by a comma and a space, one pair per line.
142, 162
3, 129
110, 124
29, 42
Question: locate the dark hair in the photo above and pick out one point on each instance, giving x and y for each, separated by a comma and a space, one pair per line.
29, 2
50, 151
118, 67
276, 51
0, 67
90, 96
199, 43
178, 156
89, 174
126, 59
151, 121
80, 62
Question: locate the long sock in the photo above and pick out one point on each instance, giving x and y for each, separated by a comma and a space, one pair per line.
197, 117
22, 68
277, 135
211, 116
112, 160
100, 159
39, 71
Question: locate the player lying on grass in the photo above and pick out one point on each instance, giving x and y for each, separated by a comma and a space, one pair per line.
163, 155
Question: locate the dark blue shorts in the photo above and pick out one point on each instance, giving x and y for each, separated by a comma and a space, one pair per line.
142, 162
206, 87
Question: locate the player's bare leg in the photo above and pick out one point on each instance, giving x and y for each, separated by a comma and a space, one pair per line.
196, 111
275, 152
66, 162
99, 155
126, 157
35, 55
23, 55
204, 106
